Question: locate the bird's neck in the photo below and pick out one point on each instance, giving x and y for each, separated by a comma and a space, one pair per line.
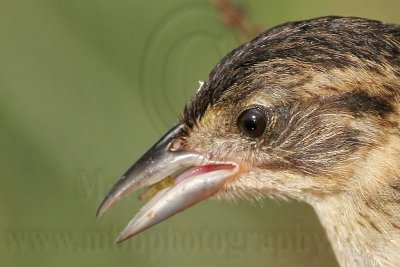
363, 221
362, 232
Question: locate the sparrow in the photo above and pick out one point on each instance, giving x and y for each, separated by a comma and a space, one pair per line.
308, 111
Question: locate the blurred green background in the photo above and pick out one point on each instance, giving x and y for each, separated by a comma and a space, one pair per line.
85, 88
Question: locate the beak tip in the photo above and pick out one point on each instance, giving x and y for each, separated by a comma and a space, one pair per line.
119, 240
102, 208
99, 213
123, 236
105, 205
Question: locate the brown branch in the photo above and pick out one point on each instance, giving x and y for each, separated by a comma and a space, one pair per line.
235, 17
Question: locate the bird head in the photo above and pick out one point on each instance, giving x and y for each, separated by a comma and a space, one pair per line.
293, 113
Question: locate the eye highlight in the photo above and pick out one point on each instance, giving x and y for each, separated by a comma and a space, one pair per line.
253, 122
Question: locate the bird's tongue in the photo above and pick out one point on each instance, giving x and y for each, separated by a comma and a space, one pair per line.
190, 187
197, 170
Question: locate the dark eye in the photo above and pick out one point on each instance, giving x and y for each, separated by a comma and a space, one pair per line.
252, 122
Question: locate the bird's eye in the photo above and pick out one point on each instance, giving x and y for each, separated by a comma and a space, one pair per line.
253, 122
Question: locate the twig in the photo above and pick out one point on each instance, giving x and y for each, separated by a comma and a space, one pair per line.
235, 18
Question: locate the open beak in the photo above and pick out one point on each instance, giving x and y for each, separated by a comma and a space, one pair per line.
199, 179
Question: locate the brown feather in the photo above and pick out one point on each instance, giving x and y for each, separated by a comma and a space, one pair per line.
331, 89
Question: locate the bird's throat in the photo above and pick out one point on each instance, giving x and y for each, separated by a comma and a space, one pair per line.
362, 232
